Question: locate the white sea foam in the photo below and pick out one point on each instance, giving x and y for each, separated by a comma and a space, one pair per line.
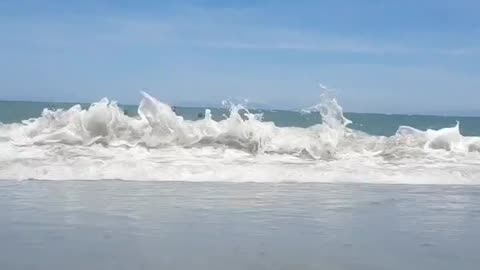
102, 142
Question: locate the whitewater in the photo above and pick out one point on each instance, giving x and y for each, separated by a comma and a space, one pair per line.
102, 142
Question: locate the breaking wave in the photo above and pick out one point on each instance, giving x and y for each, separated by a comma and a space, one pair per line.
101, 142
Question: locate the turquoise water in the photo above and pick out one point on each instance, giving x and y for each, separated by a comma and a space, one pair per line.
375, 124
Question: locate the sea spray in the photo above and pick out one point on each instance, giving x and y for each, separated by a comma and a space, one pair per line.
101, 142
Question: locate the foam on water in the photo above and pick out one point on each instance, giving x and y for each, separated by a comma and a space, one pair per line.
102, 142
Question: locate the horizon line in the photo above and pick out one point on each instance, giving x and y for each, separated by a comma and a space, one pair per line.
475, 114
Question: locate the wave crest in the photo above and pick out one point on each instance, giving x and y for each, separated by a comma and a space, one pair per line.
101, 142
158, 126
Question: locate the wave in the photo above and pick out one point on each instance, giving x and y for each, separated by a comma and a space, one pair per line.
102, 142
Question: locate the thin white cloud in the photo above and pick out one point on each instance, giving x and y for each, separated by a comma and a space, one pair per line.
325, 46
334, 45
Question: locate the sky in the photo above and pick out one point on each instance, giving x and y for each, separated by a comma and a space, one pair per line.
377, 56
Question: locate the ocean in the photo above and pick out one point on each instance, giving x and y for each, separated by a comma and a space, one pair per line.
107, 186
106, 141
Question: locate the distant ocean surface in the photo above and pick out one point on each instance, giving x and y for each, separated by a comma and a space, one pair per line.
374, 124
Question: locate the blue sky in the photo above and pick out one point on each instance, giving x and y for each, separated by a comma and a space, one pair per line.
379, 56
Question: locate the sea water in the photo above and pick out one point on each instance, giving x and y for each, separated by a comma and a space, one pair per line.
103, 225
153, 142
105, 186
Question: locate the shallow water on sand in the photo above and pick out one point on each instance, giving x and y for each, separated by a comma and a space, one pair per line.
181, 225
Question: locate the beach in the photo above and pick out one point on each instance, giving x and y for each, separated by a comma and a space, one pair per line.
180, 225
